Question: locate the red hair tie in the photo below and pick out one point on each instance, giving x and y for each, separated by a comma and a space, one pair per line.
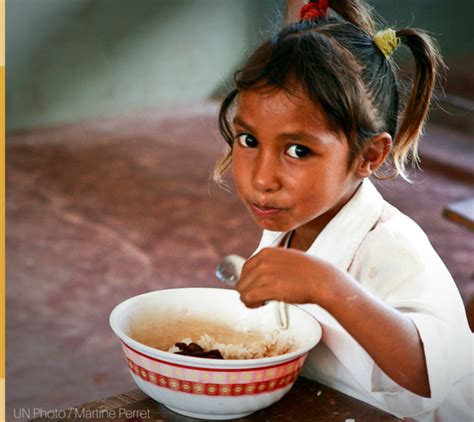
314, 10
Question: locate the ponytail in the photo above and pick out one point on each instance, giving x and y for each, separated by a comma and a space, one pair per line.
428, 68
428, 65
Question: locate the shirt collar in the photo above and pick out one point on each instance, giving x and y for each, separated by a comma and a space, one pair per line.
339, 241
341, 238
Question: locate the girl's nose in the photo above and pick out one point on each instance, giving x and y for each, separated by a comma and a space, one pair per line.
265, 175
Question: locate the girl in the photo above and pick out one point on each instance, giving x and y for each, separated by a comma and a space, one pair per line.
315, 112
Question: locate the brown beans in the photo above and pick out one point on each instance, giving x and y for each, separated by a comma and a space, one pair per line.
193, 349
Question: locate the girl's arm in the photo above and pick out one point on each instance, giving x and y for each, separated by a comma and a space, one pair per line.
388, 336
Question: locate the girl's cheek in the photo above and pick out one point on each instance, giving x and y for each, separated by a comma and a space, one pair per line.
236, 173
237, 166
242, 169
233, 168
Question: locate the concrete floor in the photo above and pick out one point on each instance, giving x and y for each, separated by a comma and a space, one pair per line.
104, 210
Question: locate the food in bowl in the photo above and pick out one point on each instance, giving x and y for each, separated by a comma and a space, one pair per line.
189, 348
210, 388
164, 332
269, 345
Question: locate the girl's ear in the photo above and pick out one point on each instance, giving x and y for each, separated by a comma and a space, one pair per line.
373, 155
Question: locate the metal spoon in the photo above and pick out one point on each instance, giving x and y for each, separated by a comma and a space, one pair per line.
228, 272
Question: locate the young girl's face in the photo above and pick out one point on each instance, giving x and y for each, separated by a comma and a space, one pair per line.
290, 170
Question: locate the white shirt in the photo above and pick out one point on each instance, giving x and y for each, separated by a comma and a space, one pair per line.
392, 258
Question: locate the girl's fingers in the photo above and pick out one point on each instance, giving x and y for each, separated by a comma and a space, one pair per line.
265, 255
256, 284
248, 274
248, 280
256, 296
252, 262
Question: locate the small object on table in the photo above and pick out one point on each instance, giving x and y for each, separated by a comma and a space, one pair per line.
461, 212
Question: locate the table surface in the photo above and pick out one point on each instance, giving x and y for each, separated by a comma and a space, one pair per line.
461, 212
306, 401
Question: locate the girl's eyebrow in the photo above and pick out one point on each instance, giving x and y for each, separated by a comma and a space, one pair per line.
239, 121
293, 136
299, 136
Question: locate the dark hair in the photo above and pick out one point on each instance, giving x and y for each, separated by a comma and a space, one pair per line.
337, 62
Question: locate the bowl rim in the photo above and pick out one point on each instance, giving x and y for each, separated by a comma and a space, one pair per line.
198, 362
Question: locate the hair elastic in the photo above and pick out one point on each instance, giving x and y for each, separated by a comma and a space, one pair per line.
314, 10
387, 41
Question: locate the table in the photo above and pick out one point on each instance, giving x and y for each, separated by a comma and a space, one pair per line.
306, 401
461, 212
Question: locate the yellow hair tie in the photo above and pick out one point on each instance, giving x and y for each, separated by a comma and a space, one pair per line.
387, 41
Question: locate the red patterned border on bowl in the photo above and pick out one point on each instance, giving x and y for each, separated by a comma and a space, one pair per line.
212, 389
213, 381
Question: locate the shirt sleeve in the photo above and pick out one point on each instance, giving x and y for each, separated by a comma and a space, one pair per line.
406, 273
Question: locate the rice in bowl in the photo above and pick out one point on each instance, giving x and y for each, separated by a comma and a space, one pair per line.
164, 332
272, 344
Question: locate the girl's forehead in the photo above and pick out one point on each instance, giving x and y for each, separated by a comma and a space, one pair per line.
281, 105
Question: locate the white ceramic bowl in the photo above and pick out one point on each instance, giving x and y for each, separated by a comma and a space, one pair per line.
213, 388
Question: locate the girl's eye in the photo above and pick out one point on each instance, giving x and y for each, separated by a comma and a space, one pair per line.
247, 141
297, 151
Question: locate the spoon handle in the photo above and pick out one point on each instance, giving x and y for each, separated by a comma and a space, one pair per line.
280, 309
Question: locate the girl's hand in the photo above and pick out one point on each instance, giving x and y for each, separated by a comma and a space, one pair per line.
282, 274
292, 276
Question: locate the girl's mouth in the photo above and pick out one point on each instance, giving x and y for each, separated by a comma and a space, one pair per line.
262, 211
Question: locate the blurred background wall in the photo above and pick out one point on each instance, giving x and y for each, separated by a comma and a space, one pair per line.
70, 60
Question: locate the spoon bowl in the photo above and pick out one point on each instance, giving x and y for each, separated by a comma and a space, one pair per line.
229, 269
